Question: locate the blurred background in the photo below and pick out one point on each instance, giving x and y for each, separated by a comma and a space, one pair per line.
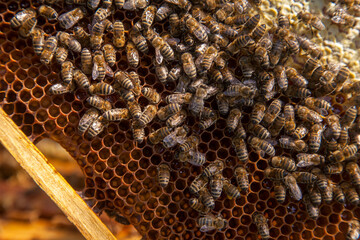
26, 212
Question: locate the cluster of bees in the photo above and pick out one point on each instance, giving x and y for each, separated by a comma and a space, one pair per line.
194, 53
344, 13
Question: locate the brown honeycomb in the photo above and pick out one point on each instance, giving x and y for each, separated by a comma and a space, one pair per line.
122, 176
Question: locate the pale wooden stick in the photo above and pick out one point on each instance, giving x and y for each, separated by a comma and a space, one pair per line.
54, 185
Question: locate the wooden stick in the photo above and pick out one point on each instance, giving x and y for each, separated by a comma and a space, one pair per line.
54, 185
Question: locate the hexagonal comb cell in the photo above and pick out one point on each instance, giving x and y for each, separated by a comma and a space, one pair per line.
121, 173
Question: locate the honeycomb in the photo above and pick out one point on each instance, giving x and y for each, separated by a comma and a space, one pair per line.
121, 175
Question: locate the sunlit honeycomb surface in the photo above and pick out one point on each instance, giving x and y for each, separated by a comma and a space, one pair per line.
122, 176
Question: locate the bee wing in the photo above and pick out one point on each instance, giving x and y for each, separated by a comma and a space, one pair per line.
109, 71
129, 5
272, 141
206, 228
176, 2
95, 71
158, 57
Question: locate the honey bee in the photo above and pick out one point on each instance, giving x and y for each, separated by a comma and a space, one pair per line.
283, 20
138, 132
305, 177
180, 98
96, 127
107, 3
261, 225
292, 144
96, 36
188, 65
199, 183
334, 128
82, 36
276, 173
60, 88
174, 22
238, 19
277, 125
283, 162
222, 103
208, 58
354, 230
257, 113
195, 28
311, 20
341, 17
210, 222
165, 50
239, 90
347, 152
306, 114
196, 104
177, 119
69, 41
241, 149
81, 79
312, 211
162, 73
69, 19
101, 88
260, 131
158, 135
228, 31
216, 185
27, 27
119, 3
307, 160
148, 16
163, 174
38, 40
262, 145
194, 157
354, 171
213, 168
344, 137
315, 103
296, 78
338, 194
168, 110
261, 57
47, 54
135, 4
99, 103
61, 54
135, 109
350, 193
280, 192
163, 12
300, 132
242, 178
310, 65
246, 68
132, 54
342, 76
333, 168
190, 143
252, 22
198, 206
272, 112
174, 73
230, 189
291, 183
233, 119
119, 34
86, 61
116, 114
315, 196
349, 117
109, 54
21, 17
151, 95
322, 181
276, 51
48, 12
243, 41
332, 145
67, 71
148, 115
315, 136
86, 120
100, 68
227, 9
205, 123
